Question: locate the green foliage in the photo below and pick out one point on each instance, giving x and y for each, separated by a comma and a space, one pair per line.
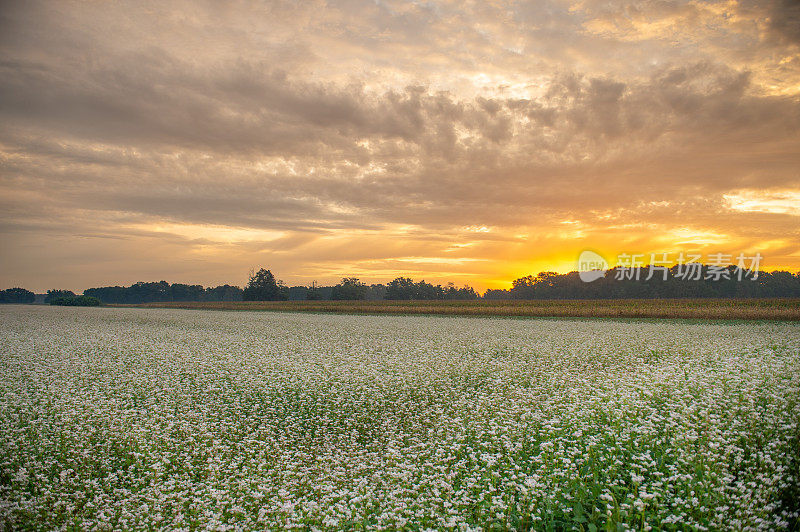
17, 295
263, 287
143, 292
224, 292
77, 301
313, 293
404, 288
466, 293
58, 294
551, 285
349, 289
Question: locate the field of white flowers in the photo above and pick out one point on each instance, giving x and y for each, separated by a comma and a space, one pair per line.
134, 418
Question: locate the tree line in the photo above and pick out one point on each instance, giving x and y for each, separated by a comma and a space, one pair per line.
143, 292
17, 295
618, 283
76, 301
263, 286
614, 284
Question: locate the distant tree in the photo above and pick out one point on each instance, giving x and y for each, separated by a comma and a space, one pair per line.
143, 292
325, 292
405, 288
224, 292
108, 294
400, 289
186, 292
146, 292
283, 290
349, 289
313, 293
450, 291
464, 293
615, 285
55, 294
523, 288
376, 292
17, 295
423, 290
496, 294
263, 287
297, 293
76, 301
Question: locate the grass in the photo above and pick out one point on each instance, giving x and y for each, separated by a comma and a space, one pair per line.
784, 309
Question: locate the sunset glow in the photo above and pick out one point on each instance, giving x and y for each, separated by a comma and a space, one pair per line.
473, 142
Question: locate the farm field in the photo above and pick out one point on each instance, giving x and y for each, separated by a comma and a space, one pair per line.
785, 309
131, 418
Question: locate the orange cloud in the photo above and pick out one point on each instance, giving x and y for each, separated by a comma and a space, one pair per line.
472, 143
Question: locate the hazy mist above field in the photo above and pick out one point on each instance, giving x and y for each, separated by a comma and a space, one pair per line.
446, 140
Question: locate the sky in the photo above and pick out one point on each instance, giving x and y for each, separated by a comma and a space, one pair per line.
473, 142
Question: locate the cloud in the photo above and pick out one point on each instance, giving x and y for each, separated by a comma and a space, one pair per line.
784, 21
370, 134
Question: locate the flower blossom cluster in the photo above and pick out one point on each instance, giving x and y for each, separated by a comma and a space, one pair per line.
185, 420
